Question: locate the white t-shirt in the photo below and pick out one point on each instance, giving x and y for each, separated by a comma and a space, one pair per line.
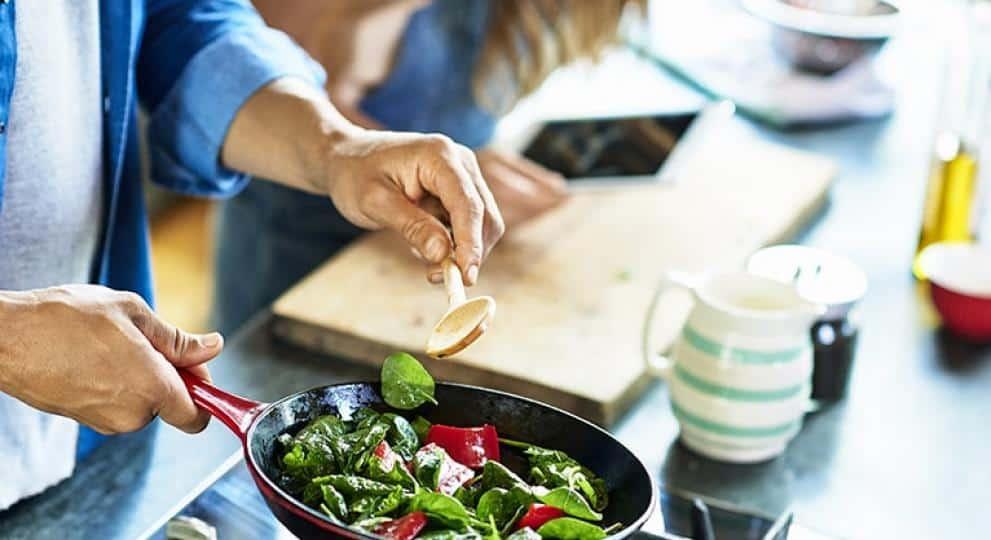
52, 213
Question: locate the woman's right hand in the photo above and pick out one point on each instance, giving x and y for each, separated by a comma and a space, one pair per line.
101, 357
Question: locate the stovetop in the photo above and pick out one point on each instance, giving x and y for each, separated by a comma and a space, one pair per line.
233, 508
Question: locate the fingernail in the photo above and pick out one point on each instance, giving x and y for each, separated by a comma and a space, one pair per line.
211, 340
436, 278
473, 273
434, 249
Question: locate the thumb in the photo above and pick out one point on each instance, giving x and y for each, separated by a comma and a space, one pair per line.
181, 348
422, 230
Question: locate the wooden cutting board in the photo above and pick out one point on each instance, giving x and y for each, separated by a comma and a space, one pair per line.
572, 287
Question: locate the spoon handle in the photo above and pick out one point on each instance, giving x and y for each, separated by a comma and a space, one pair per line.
453, 283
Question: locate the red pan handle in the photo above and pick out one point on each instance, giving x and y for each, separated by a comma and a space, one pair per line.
234, 411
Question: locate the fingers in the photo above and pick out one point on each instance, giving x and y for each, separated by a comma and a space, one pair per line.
182, 349
552, 180
425, 234
493, 226
177, 407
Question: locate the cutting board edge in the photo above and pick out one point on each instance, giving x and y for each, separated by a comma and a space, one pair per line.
331, 343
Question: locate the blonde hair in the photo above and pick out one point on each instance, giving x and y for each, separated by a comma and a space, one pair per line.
527, 39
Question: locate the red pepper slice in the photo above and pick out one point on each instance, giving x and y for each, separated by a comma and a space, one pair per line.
404, 528
468, 446
389, 458
537, 515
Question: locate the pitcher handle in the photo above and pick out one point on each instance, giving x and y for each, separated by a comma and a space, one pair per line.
659, 365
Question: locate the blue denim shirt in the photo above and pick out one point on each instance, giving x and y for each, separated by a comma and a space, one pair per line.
191, 64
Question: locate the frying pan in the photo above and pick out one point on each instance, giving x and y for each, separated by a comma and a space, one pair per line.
258, 425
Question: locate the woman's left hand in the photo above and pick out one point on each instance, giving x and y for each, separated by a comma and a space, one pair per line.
523, 189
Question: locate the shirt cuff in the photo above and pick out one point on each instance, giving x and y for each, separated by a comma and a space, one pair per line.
188, 128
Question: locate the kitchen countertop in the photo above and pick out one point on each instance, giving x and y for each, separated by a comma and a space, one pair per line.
905, 456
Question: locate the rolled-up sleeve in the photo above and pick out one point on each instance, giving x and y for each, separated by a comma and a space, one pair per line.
200, 61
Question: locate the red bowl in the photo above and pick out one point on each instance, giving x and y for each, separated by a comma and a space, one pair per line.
960, 286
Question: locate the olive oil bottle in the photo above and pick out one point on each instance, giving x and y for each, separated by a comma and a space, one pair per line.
952, 208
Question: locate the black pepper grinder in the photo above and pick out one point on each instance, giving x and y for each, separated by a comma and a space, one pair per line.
830, 280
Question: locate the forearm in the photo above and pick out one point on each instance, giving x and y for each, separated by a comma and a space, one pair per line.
12, 309
285, 133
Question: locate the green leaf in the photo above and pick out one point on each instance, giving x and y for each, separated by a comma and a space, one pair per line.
354, 486
427, 465
571, 502
389, 503
553, 468
444, 509
405, 383
363, 507
468, 494
333, 502
397, 475
497, 505
470, 534
525, 533
568, 528
353, 450
369, 524
421, 426
364, 417
402, 437
497, 475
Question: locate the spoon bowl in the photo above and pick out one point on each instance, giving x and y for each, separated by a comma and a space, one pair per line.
461, 326
465, 321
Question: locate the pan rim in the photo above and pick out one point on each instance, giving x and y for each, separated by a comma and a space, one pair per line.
634, 526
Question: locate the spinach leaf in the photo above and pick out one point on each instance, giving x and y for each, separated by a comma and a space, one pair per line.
571, 502
354, 486
553, 468
427, 465
443, 509
353, 450
333, 502
495, 474
470, 534
369, 524
405, 383
364, 417
568, 528
397, 475
421, 426
363, 507
468, 494
323, 427
402, 437
389, 503
497, 505
525, 533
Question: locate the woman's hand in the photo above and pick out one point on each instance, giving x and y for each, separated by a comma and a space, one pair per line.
522, 188
101, 357
290, 133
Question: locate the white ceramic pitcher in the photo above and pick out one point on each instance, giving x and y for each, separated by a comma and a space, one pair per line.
739, 372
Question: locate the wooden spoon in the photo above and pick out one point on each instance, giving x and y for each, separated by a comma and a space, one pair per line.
464, 321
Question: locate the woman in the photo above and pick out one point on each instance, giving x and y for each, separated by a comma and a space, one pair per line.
447, 66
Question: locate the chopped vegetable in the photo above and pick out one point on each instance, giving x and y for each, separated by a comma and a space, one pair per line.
435, 469
378, 471
404, 528
405, 384
537, 515
567, 528
468, 446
